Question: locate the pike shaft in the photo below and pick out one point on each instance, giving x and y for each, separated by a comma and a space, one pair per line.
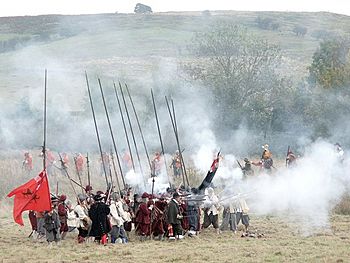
124, 126
160, 135
172, 118
139, 126
111, 131
132, 133
96, 129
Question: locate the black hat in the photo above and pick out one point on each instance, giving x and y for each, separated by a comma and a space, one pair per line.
99, 197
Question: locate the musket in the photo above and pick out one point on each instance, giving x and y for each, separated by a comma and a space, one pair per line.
88, 168
173, 122
111, 132
160, 136
96, 129
139, 126
239, 164
287, 156
124, 125
132, 135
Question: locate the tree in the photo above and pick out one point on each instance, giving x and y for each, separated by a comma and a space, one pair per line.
142, 9
330, 66
300, 30
239, 68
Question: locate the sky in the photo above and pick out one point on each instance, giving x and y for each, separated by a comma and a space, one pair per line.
39, 7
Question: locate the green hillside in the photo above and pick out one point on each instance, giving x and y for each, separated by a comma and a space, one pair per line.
133, 45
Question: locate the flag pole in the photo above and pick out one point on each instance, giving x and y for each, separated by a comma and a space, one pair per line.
44, 142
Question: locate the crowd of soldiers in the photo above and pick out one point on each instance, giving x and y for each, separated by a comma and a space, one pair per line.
110, 217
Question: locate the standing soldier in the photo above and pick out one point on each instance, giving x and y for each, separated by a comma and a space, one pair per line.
175, 217
266, 162
52, 223
157, 163
84, 222
211, 210
339, 152
63, 216
247, 169
100, 224
291, 159
79, 163
143, 218
27, 163
176, 164
50, 160
126, 161
104, 163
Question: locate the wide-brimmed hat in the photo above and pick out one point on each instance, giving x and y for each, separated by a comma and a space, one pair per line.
145, 195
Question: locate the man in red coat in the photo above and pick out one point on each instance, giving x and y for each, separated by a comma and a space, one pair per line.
27, 163
143, 218
63, 216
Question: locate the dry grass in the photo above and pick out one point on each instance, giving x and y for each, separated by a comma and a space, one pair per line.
280, 244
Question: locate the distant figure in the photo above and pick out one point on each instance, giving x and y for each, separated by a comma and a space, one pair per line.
27, 164
266, 162
176, 164
79, 163
291, 159
104, 164
339, 152
247, 169
157, 164
50, 160
126, 161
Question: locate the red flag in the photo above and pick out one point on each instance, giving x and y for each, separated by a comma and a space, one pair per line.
33, 195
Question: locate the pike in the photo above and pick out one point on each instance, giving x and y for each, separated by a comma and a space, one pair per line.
115, 171
132, 133
96, 129
76, 169
173, 122
67, 174
124, 125
112, 136
160, 135
139, 126
57, 188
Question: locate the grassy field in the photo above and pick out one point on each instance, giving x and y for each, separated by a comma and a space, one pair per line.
281, 243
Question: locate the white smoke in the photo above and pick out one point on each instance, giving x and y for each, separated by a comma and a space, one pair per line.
305, 194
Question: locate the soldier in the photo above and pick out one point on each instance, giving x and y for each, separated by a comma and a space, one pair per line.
176, 164
52, 223
117, 219
50, 160
126, 161
247, 169
266, 162
84, 222
339, 152
100, 224
291, 159
157, 164
105, 164
211, 210
143, 218
175, 217
63, 216
79, 163
27, 164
